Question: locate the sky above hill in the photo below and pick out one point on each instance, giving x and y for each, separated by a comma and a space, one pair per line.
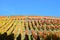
30, 7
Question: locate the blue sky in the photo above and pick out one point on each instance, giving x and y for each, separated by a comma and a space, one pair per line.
30, 7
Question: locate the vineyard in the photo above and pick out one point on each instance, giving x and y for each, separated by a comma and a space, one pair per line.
29, 28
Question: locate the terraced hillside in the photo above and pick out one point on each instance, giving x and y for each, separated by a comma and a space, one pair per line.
29, 28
